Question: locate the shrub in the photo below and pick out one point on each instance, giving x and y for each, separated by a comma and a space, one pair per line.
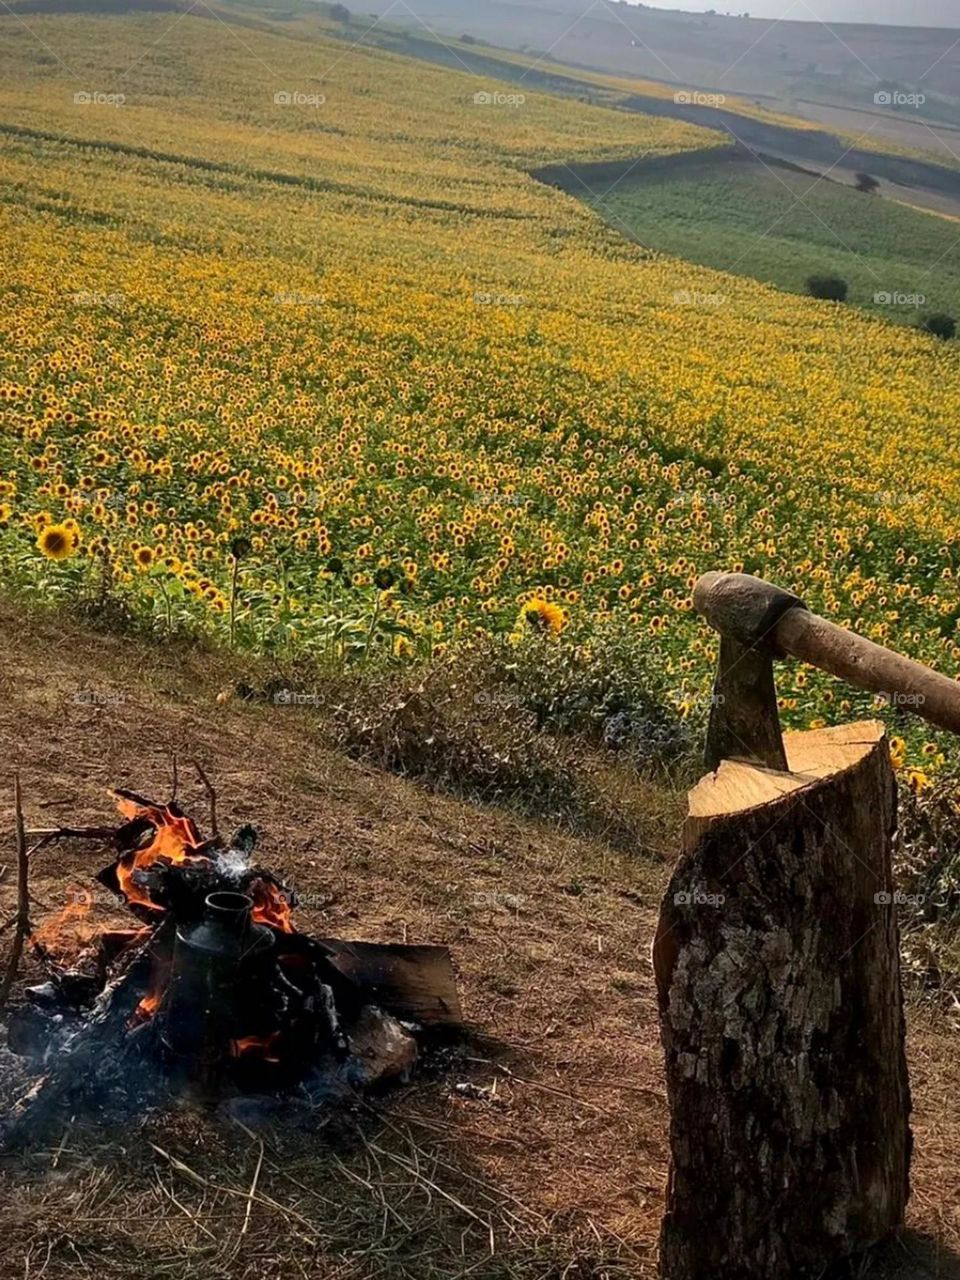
603, 688
940, 325
866, 183
927, 869
829, 288
573, 737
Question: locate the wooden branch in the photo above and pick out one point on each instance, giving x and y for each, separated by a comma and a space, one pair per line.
211, 796
176, 778
22, 917
47, 835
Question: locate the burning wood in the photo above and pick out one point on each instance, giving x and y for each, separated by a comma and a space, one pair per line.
217, 988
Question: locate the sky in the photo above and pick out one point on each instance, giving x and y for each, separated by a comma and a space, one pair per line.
905, 13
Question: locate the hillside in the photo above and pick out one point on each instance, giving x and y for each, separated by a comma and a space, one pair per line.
561, 1166
346, 333
347, 420
802, 58
780, 226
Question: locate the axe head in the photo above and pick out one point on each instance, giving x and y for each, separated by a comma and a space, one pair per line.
744, 721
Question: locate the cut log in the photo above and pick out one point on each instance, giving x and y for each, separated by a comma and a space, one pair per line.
778, 980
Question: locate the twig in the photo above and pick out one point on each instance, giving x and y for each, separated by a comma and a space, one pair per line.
23, 896
253, 1191
547, 1088
176, 779
183, 1208
211, 796
48, 834
186, 1172
63, 1142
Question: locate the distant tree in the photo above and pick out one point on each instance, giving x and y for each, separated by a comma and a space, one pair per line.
339, 13
465, 39
829, 288
940, 325
866, 183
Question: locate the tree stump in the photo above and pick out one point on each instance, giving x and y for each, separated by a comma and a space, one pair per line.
781, 1015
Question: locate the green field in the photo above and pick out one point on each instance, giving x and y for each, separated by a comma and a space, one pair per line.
780, 226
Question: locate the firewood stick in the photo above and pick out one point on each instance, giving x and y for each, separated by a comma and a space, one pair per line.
211, 796
22, 917
48, 834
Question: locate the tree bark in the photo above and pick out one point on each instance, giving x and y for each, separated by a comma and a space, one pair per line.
778, 979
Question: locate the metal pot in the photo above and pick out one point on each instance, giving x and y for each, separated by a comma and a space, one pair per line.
220, 972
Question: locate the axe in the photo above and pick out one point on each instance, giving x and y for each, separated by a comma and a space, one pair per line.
759, 622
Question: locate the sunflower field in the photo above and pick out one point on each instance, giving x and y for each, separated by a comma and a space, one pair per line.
297, 355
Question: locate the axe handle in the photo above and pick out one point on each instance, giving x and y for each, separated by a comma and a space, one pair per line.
902, 681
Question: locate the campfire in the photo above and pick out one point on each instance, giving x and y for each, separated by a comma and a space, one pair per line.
213, 988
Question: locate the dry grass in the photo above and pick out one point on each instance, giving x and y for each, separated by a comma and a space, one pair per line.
552, 1166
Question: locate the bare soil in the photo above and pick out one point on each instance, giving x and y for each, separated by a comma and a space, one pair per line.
552, 1165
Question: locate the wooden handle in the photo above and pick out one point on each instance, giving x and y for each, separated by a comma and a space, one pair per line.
900, 681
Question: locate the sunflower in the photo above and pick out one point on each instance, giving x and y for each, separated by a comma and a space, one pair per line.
57, 542
143, 557
542, 615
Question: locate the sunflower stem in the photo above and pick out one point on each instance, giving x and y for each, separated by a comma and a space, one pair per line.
375, 618
234, 577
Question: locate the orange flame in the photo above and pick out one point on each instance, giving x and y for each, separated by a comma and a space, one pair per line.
69, 928
148, 1006
175, 838
271, 906
257, 1045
